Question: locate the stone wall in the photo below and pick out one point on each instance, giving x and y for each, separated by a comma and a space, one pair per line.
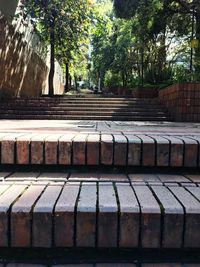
182, 101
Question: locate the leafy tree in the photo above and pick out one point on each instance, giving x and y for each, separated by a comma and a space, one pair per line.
172, 14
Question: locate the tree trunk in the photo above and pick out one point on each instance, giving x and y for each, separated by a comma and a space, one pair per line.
66, 77
197, 50
76, 84
70, 81
52, 64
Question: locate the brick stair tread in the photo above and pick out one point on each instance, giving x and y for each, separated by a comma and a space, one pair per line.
75, 117
103, 149
71, 210
85, 112
80, 108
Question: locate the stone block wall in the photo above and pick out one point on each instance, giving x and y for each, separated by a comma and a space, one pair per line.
182, 101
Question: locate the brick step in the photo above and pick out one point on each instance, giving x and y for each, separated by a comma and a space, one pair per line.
68, 99
95, 149
61, 210
82, 117
104, 263
78, 106
120, 112
63, 105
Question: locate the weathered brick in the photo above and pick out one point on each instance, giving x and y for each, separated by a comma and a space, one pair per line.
51, 149
86, 216
65, 149
43, 212
120, 150
93, 149
150, 218
79, 149
129, 216
190, 152
8, 149
134, 150
192, 216
107, 149
22, 149
64, 223
108, 212
162, 151
21, 217
37, 149
173, 218
148, 151
177, 150
6, 200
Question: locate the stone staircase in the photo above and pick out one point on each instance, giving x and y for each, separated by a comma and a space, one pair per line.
84, 108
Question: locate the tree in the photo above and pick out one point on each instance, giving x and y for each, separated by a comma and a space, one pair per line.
59, 23
170, 10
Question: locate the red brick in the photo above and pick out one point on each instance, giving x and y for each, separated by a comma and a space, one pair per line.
37, 149
65, 149
43, 212
107, 149
150, 218
22, 147
64, 223
51, 149
120, 150
177, 148
86, 216
162, 151
93, 149
6, 200
79, 149
108, 212
21, 217
129, 216
148, 151
134, 150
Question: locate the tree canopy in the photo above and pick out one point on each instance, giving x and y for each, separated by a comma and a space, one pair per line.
152, 43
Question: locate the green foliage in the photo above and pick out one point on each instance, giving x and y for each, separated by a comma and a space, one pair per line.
125, 9
112, 80
181, 74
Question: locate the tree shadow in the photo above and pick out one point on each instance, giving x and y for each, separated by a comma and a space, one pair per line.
22, 72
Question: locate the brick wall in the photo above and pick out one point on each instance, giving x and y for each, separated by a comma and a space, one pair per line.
141, 93
182, 101
22, 71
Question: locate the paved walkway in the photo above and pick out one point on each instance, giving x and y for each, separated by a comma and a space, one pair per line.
99, 126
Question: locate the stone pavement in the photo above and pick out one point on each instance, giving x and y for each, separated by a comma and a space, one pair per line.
24, 126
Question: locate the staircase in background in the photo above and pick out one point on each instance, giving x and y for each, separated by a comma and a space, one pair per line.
87, 108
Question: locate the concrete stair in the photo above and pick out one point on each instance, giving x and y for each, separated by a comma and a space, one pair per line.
131, 109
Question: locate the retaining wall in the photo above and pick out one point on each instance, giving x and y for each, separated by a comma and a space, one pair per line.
182, 101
